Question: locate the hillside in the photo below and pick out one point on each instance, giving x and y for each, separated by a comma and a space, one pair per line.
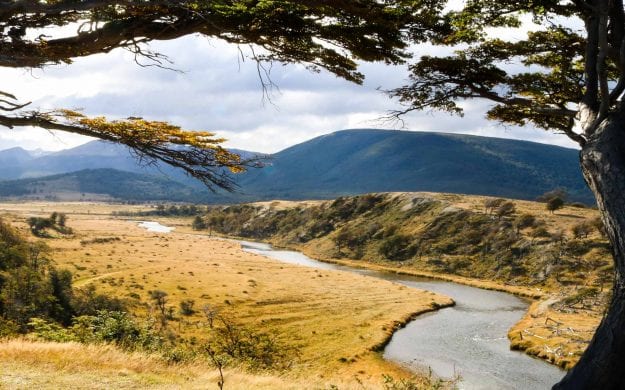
100, 184
352, 162
361, 161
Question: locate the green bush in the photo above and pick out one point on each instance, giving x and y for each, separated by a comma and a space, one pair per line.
395, 247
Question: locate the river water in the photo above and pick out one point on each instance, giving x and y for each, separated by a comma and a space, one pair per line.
155, 227
469, 339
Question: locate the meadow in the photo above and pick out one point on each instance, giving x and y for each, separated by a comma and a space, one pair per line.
325, 324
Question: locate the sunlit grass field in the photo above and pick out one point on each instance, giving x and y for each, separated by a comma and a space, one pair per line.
331, 320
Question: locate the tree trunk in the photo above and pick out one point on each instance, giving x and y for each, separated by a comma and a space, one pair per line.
603, 164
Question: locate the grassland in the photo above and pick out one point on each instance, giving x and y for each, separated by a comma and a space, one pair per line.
331, 321
453, 237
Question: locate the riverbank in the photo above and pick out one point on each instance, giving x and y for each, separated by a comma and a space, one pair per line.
557, 337
467, 338
561, 258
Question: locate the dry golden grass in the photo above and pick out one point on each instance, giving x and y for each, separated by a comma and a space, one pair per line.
556, 336
334, 319
564, 218
27, 365
562, 344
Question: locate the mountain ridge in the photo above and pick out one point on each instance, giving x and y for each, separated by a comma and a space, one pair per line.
356, 161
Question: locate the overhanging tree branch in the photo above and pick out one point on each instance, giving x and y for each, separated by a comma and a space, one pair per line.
198, 154
323, 34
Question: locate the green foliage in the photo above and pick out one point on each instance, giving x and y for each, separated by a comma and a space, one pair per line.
34, 292
554, 204
50, 331
186, 307
56, 221
113, 327
396, 247
198, 223
257, 350
163, 210
61, 308
87, 301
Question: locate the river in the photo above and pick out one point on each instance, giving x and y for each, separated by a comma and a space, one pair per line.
469, 339
154, 227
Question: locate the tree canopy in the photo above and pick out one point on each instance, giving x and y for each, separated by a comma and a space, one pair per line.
330, 35
566, 75
570, 67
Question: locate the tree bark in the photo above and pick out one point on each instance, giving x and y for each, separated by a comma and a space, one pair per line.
602, 366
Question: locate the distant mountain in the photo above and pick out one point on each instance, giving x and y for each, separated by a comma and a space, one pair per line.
360, 161
101, 184
345, 163
92, 155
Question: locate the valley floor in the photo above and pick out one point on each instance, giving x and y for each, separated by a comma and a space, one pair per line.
330, 320
559, 259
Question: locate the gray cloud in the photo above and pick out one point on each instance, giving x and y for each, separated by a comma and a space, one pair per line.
220, 92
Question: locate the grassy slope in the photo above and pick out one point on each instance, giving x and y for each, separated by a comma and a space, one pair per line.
451, 237
388, 160
333, 319
100, 184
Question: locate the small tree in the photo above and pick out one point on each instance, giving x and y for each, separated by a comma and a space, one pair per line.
211, 313
491, 204
554, 204
160, 300
555, 193
61, 219
505, 209
38, 225
198, 223
342, 239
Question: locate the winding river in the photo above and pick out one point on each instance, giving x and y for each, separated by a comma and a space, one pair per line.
469, 339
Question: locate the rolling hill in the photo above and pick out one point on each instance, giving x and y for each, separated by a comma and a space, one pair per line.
361, 161
346, 162
100, 184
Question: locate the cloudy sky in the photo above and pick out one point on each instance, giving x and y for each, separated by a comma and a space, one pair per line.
219, 92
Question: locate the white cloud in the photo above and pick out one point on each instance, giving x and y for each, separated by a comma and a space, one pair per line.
221, 93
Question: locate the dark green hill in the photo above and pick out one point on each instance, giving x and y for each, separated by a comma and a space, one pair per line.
101, 184
347, 162
361, 161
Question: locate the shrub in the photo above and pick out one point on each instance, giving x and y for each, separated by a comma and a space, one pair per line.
198, 223
186, 307
492, 204
506, 209
582, 230
395, 247
524, 221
